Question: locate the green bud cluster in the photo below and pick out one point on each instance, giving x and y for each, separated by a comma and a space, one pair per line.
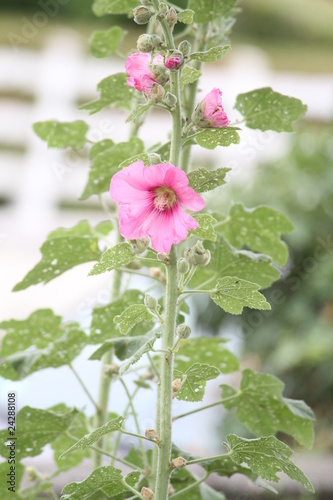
142, 14
197, 255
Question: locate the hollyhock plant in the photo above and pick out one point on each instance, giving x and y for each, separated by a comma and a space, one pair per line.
151, 203
210, 113
173, 62
141, 78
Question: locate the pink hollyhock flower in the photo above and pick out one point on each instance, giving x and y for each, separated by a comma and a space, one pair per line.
210, 112
173, 62
151, 203
141, 77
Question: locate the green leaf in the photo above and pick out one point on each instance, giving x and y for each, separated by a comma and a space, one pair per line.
210, 351
211, 10
139, 111
105, 163
202, 180
5, 494
211, 55
261, 407
259, 229
104, 7
205, 231
164, 151
103, 43
114, 257
35, 429
226, 261
194, 381
38, 342
62, 134
114, 91
189, 75
233, 294
140, 157
146, 347
134, 314
185, 16
89, 439
265, 109
266, 457
108, 479
181, 479
210, 138
63, 250
207, 493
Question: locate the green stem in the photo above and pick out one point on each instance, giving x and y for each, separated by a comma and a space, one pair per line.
117, 443
191, 486
84, 387
207, 459
137, 494
211, 405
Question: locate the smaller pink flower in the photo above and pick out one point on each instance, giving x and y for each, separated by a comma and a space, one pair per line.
173, 62
151, 203
210, 112
141, 77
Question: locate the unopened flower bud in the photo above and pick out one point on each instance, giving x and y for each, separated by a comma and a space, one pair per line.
111, 370
179, 462
147, 493
144, 43
183, 266
158, 92
32, 473
156, 41
185, 47
150, 434
154, 158
146, 2
176, 386
142, 14
150, 302
170, 100
183, 331
173, 63
139, 245
160, 73
198, 255
135, 264
163, 8
163, 257
171, 489
171, 17
157, 273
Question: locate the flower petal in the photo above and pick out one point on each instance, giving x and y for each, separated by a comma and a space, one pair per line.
189, 199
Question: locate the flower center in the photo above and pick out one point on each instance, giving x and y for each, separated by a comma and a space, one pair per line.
165, 198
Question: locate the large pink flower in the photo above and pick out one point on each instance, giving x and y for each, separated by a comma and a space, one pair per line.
141, 77
151, 203
210, 112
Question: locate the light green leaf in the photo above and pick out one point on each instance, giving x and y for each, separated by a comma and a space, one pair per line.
185, 16
259, 229
107, 479
134, 314
124, 347
104, 7
211, 55
62, 134
140, 157
211, 10
105, 163
233, 294
194, 381
113, 92
63, 249
164, 151
202, 180
5, 494
89, 439
210, 138
114, 257
181, 479
265, 109
104, 228
139, 111
189, 75
103, 43
146, 347
205, 231
210, 351
35, 429
261, 407
266, 457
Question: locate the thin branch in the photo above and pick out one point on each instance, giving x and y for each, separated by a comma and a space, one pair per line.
84, 387
211, 405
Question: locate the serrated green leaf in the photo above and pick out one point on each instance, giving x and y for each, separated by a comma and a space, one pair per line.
189, 75
104, 228
233, 294
211, 55
114, 257
266, 457
5, 494
106, 163
211, 10
185, 16
131, 316
104, 7
103, 43
261, 407
139, 111
259, 229
108, 479
62, 134
89, 439
114, 91
205, 231
210, 138
210, 351
146, 347
202, 180
265, 109
194, 381
35, 429
63, 250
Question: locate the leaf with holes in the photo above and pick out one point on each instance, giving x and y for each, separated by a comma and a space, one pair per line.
259, 229
211, 10
211, 55
202, 180
124, 347
114, 91
210, 138
189, 75
261, 407
265, 109
104, 7
139, 111
185, 16
105, 163
194, 381
233, 294
114, 257
103, 43
134, 314
143, 349
205, 231
62, 134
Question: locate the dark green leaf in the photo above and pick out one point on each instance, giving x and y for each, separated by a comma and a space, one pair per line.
103, 43
202, 180
146, 347
233, 294
62, 134
194, 381
210, 138
114, 257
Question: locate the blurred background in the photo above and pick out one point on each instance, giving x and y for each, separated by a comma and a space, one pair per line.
46, 72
